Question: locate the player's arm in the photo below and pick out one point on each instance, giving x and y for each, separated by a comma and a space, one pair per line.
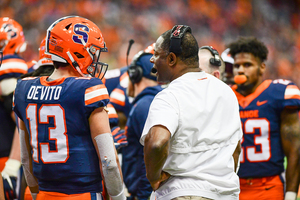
1, 189
26, 160
236, 156
109, 162
290, 136
156, 151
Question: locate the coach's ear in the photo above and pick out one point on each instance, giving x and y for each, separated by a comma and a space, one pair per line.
172, 59
216, 73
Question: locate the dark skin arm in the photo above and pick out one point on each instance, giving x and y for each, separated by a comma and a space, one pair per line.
290, 137
236, 155
156, 151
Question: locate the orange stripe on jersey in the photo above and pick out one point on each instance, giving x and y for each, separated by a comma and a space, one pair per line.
124, 80
292, 97
94, 88
125, 75
13, 60
110, 116
116, 101
292, 92
112, 113
95, 93
118, 97
14, 70
245, 101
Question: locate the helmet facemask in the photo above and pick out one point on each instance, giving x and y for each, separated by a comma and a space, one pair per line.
96, 69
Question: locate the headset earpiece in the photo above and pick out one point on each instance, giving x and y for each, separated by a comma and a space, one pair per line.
216, 61
177, 34
135, 72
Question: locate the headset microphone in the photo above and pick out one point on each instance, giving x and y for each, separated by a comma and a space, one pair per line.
131, 41
153, 70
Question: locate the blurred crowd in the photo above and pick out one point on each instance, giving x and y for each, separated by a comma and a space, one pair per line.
214, 22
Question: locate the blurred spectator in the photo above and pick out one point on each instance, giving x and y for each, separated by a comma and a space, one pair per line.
214, 22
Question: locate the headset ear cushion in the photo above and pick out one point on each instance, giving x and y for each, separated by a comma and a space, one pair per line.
135, 73
215, 62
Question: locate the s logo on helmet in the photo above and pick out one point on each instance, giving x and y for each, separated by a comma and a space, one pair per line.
10, 30
81, 32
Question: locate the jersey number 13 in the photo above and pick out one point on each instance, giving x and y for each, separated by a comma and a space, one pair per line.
261, 140
57, 133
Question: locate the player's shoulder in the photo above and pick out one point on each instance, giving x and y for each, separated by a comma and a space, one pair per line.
87, 81
284, 89
13, 58
27, 80
282, 84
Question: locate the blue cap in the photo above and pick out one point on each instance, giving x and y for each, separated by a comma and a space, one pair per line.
144, 62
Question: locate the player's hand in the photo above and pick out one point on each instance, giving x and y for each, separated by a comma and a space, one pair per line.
9, 185
119, 136
9, 176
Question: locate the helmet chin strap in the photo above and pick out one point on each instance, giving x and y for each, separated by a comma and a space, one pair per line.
75, 64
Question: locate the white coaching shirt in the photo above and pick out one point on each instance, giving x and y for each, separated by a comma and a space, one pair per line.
202, 114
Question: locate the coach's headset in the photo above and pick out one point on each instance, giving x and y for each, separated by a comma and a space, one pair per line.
215, 61
135, 72
177, 34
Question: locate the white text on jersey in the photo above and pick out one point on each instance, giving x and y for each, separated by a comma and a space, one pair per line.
44, 92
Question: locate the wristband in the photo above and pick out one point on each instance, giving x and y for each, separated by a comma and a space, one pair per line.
289, 195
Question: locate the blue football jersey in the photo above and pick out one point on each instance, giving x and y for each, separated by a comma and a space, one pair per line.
117, 81
56, 117
113, 78
12, 66
262, 153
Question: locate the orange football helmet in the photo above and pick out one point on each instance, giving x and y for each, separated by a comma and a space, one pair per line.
43, 60
79, 42
12, 38
150, 48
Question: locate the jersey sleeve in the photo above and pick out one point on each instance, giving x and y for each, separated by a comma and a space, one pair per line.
120, 101
291, 96
96, 94
112, 115
15, 100
12, 66
163, 111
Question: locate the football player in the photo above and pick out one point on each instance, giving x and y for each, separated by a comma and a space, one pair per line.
1, 181
64, 151
118, 80
142, 87
270, 122
12, 43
